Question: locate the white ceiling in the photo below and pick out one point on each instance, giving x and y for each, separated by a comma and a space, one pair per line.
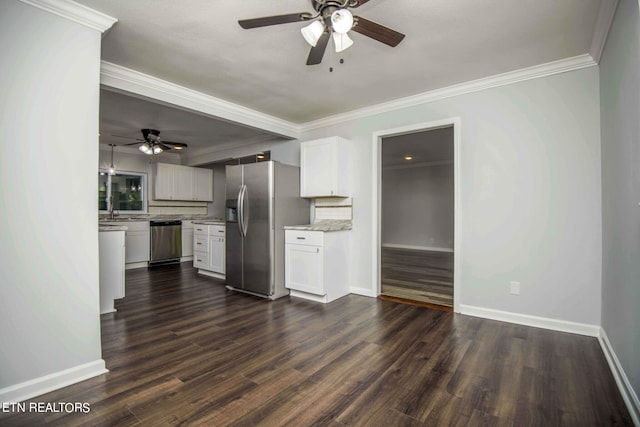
199, 45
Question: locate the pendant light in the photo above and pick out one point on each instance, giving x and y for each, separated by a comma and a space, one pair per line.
112, 168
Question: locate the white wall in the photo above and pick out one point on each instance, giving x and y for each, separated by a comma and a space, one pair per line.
49, 309
530, 185
417, 206
620, 114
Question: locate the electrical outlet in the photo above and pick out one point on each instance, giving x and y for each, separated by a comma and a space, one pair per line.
515, 288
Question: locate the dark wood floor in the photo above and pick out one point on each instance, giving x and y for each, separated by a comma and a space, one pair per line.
418, 275
182, 350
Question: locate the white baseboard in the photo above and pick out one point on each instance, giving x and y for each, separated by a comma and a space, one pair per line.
133, 265
416, 248
626, 390
535, 321
211, 274
38, 386
365, 292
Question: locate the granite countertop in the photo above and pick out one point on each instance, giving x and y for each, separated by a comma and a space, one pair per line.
324, 225
158, 217
112, 228
215, 221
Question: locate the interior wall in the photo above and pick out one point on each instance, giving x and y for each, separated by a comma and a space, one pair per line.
530, 190
620, 110
49, 309
417, 206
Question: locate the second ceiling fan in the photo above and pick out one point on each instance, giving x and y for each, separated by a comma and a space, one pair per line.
333, 19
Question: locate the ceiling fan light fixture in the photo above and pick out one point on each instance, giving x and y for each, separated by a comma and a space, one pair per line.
157, 149
341, 41
341, 21
312, 32
145, 148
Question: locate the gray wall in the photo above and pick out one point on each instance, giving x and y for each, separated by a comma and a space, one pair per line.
530, 189
417, 206
620, 115
49, 308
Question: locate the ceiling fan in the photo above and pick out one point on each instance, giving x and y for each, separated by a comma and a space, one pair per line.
332, 19
151, 143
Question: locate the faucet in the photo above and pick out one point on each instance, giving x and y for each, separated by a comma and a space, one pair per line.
112, 213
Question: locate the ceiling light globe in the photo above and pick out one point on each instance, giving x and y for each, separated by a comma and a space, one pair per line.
145, 149
157, 150
312, 32
341, 41
341, 21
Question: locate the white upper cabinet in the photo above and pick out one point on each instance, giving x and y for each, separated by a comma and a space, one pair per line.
324, 168
202, 184
176, 182
164, 182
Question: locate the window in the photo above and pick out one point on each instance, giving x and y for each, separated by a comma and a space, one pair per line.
126, 189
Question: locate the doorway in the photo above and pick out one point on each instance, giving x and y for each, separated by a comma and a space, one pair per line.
417, 240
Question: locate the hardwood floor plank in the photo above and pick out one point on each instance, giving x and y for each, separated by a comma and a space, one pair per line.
183, 350
418, 275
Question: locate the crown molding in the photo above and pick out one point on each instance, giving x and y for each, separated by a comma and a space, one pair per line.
75, 12
129, 81
603, 24
537, 71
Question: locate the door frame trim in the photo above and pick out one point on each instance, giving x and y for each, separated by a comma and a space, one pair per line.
376, 198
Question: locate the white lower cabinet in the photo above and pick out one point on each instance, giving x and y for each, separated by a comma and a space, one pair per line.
136, 241
209, 249
315, 264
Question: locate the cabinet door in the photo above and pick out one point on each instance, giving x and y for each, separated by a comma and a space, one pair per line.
164, 181
318, 168
137, 246
202, 184
304, 268
216, 254
184, 183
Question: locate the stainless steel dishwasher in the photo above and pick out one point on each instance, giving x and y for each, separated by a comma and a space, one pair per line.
166, 242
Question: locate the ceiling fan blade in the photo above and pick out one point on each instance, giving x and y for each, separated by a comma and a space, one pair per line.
377, 32
175, 144
134, 143
357, 3
126, 137
273, 20
164, 147
317, 52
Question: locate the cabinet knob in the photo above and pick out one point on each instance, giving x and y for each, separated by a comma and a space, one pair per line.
317, 250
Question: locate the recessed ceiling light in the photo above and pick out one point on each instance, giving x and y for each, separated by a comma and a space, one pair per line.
408, 157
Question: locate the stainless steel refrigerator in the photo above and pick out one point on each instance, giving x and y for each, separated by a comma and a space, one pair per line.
261, 199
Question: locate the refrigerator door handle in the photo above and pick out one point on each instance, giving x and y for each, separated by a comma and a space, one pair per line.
239, 205
245, 211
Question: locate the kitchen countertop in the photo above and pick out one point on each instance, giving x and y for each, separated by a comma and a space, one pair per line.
112, 228
324, 225
159, 217
209, 221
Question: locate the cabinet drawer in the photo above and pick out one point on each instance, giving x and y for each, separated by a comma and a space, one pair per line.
200, 243
304, 237
201, 229
201, 260
216, 230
